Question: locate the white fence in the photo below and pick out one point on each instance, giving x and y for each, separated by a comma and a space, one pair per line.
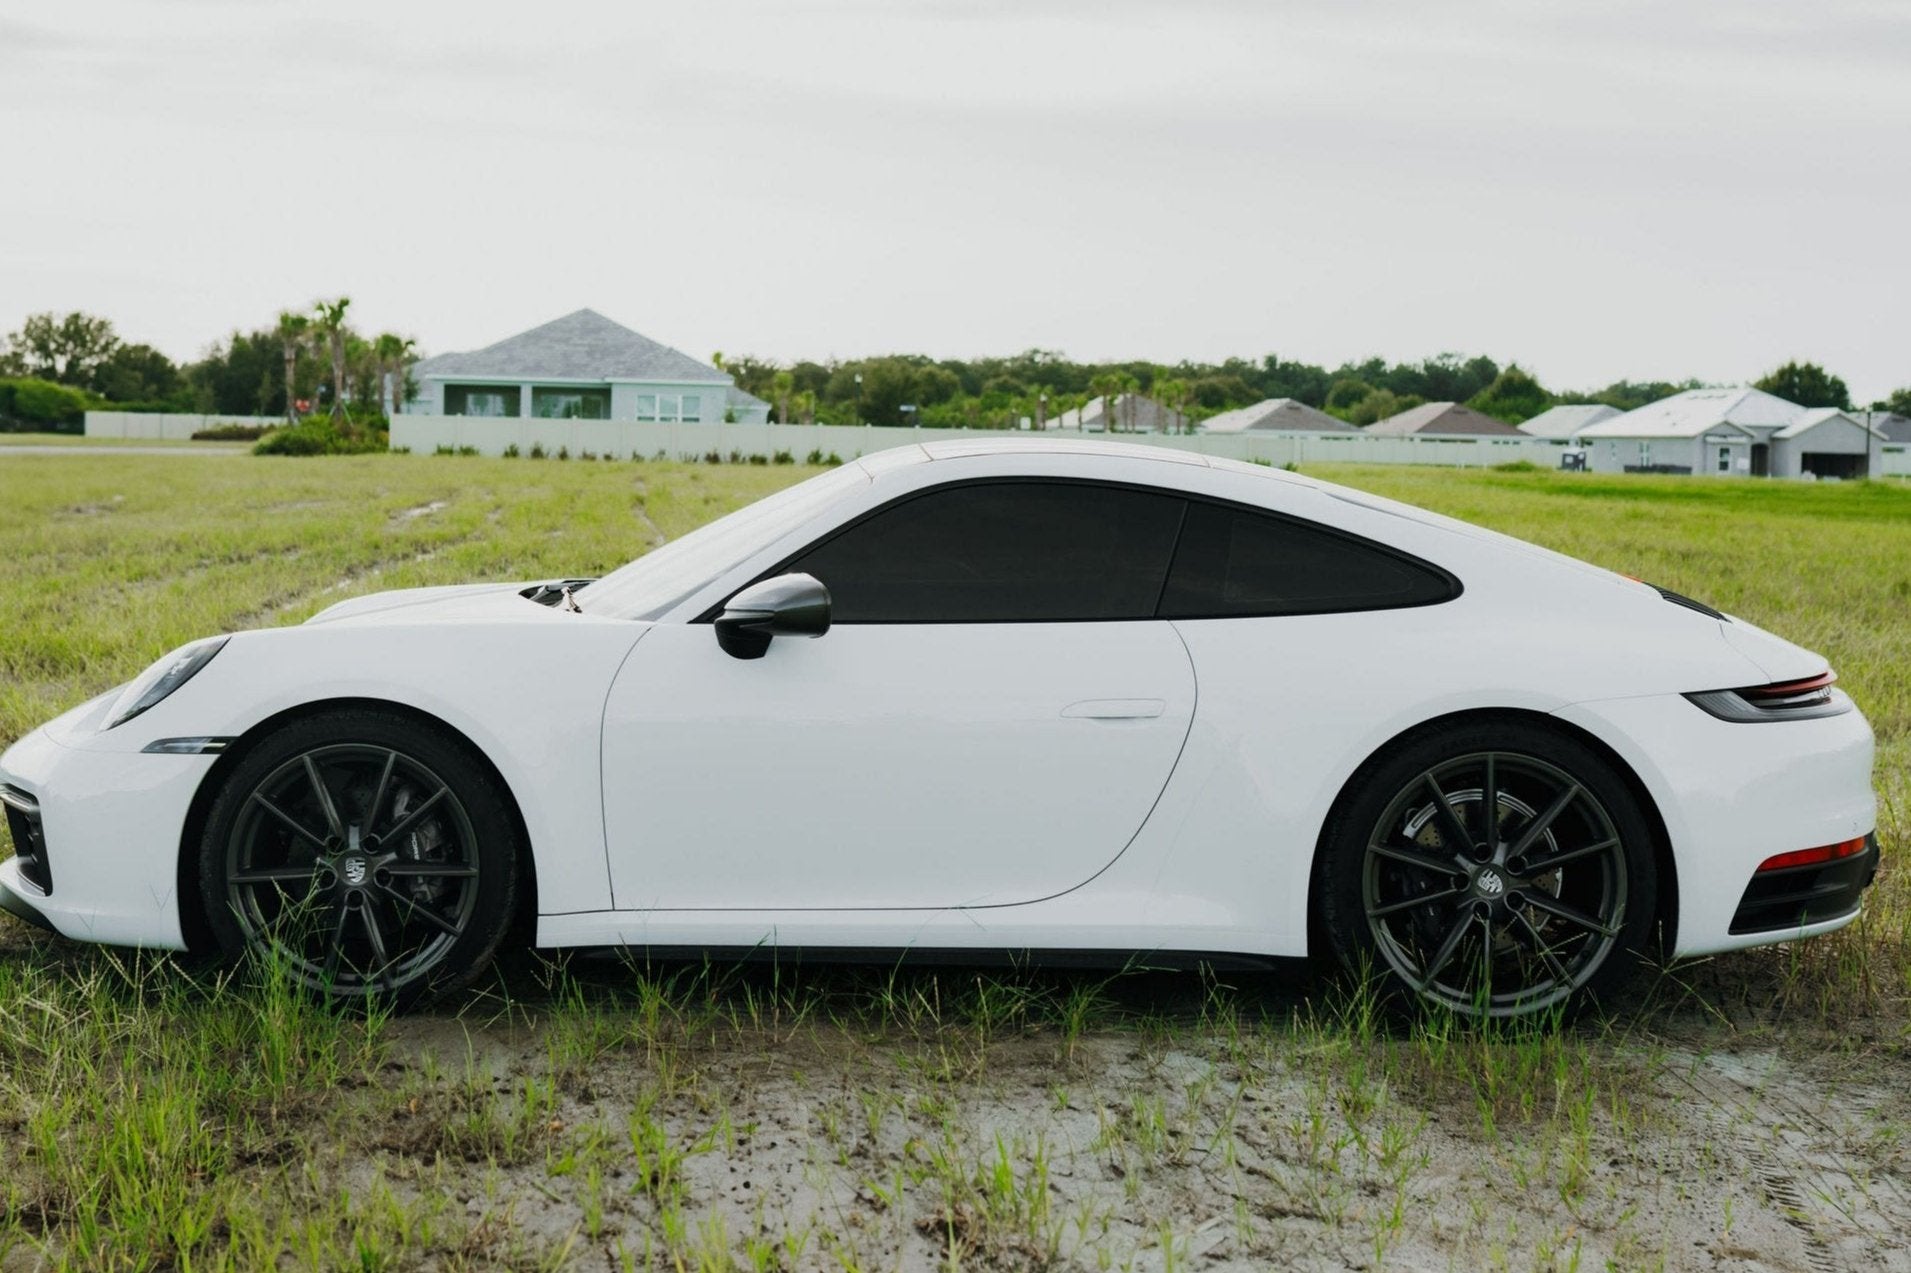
164, 425
490, 435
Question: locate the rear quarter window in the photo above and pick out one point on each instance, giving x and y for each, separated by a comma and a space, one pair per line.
1234, 562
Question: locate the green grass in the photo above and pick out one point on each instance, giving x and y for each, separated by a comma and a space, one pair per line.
158, 1113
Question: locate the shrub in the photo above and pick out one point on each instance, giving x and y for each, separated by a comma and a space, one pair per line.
736, 457
814, 457
712, 457
564, 453
537, 450
231, 432
833, 460
782, 457
28, 403
759, 459
511, 451
319, 437
1518, 466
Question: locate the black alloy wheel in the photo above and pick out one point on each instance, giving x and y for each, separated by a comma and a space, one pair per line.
1498, 871
364, 855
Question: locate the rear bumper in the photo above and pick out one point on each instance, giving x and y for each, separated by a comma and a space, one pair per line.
1781, 902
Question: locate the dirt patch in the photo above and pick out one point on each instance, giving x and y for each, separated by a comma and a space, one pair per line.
1225, 1152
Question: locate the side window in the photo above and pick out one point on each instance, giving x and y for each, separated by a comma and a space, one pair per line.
1236, 562
1008, 552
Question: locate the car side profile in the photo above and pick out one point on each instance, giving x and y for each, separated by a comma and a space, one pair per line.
1030, 696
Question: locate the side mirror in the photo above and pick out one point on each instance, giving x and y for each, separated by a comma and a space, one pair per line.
788, 605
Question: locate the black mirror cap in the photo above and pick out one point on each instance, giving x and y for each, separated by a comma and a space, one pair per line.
788, 605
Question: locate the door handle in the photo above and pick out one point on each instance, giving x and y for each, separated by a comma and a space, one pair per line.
1115, 709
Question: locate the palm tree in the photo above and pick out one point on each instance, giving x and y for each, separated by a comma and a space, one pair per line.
1130, 388
782, 384
294, 331
1105, 386
1172, 394
806, 406
331, 325
393, 354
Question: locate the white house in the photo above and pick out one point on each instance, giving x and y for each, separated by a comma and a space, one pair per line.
1564, 422
1272, 414
1736, 431
582, 366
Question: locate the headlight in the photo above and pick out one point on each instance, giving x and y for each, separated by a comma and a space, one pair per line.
162, 678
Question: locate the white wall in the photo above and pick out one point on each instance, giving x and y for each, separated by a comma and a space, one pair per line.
624, 438
177, 426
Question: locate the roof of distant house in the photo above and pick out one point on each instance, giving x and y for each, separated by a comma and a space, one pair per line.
1440, 417
1132, 411
1893, 428
580, 346
1812, 417
1275, 413
1566, 420
1688, 414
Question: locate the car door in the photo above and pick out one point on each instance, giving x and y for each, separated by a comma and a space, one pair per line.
989, 721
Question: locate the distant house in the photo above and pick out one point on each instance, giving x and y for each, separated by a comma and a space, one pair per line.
1739, 430
1133, 414
1441, 418
1565, 422
1273, 414
582, 366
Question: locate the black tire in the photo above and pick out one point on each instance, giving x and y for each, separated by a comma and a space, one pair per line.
1547, 913
403, 887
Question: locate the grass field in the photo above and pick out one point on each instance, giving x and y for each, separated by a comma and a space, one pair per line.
1748, 1112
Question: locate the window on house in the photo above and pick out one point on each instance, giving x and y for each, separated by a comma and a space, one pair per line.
571, 404
483, 400
692, 408
646, 406
1725, 459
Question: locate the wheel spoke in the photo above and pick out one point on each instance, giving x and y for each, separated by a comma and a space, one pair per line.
374, 934
434, 870
1490, 802
1395, 907
1530, 834
273, 875
412, 907
325, 798
1571, 914
1413, 857
1461, 841
1549, 864
370, 819
411, 819
290, 821
1443, 956
1553, 966
338, 946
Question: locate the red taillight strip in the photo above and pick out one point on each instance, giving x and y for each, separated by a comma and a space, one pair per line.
1812, 857
1785, 689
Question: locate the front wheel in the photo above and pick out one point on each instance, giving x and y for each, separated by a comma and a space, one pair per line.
363, 854
1495, 869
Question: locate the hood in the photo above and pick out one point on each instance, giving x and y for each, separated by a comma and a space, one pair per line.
427, 605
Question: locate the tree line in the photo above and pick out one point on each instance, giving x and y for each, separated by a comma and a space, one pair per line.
314, 356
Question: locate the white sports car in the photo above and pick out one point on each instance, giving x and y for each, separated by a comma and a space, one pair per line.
1029, 696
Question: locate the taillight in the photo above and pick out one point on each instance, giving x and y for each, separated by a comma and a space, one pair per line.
1814, 857
1804, 699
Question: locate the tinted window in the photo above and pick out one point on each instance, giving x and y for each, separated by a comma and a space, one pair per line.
1235, 562
1002, 553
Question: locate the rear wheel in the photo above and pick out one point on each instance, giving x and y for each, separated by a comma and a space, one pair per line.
1496, 869
364, 854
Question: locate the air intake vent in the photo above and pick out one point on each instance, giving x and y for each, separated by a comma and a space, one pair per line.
1680, 599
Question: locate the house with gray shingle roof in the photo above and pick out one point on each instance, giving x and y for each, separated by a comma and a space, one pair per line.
1437, 418
1275, 414
1565, 421
582, 366
1733, 430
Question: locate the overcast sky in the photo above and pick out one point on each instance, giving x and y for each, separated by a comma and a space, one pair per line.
1651, 190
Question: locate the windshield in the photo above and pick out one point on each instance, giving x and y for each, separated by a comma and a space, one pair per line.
658, 580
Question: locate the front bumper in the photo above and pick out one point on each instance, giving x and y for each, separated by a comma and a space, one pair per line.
110, 825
